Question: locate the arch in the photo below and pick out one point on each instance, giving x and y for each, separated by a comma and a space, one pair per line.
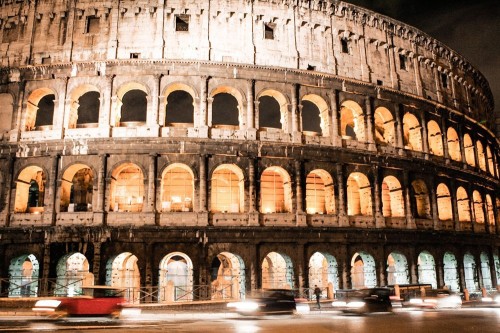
323, 272
434, 138
426, 269
392, 198
384, 126
421, 199
352, 121
84, 106
30, 190
268, 116
363, 272
490, 213
122, 271
131, 104
228, 276
275, 191
277, 271
72, 274
485, 271
127, 188
315, 115
319, 193
397, 269
478, 207
177, 188
359, 198
469, 150
445, 209
179, 108
463, 205
24, 271
490, 162
227, 189
496, 263
40, 110
470, 273
226, 107
450, 270
6, 114
481, 156
76, 189
176, 278
412, 135
453, 144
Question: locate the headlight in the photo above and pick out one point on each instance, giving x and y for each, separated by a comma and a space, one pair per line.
355, 305
245, 306
416, 301
497, 299
46, 305
338, 304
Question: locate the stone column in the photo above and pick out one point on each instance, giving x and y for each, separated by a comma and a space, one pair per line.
416, 66
379, 217
252, 193
425, 141
440, 272
434, 206
462, 146
299, 197
203, 183
334, 102
50, 196
8, 186
201, 120
369, 123
343, 219
251, 128
454, 205
151, 200
444, 134
44, 285
410, 220
101, 184
96, 267
399, 129
438, 84
296, 135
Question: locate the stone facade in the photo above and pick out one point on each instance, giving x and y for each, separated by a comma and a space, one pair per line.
236, 145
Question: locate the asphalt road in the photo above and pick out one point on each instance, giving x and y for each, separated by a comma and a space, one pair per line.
456, 321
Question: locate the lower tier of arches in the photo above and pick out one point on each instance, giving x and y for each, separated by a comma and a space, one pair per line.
185, 264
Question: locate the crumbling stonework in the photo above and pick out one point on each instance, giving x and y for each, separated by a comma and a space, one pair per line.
232, 145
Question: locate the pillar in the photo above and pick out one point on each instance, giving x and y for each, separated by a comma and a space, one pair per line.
434, 206
425, 141
201, 121
379, 217
410, 220
101, 183
296, 135
96, 266
334, 102
343, 219
203, 183
444, 134
369, 123
151, 200
399, 129
9, 182
251, 128
50, 197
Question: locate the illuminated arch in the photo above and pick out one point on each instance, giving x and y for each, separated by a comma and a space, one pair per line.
412, 135
77, 188
427, 269
131, 105
359, 197
321, 107
363, 272
469, 150
421, 199
40, 109
275, 191
352, 121
228, 276
127, 188
84, 106
450, 271
177, 188
453, 145
319, 193
445, 209
277, 271
30, 190
470, 273
435, 139
478, 207
24, 272
178, 99
227, 189
481, 156
384, 126
226, 108
6, 113
397, 269
122, 271
72, 274
278, 115
392, 198
176, 278
323, 272
485, 271
463, 205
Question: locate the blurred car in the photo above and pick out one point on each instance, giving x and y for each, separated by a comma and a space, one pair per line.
363, 300
94, 301
436, 299
269, 301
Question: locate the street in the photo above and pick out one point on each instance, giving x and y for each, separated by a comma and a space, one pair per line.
462, 320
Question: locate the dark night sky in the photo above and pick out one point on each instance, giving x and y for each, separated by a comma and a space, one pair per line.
471, 28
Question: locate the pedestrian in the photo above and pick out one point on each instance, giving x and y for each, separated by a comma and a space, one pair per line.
317, 292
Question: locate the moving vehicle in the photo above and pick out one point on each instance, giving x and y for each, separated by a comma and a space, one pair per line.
436, 299
267, 301
94, 301
363, 300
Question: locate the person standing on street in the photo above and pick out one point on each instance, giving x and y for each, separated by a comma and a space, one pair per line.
317, 292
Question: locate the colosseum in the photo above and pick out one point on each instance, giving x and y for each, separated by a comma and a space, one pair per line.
196, 150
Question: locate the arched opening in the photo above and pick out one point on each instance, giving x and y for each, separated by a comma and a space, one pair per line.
489, 157
39, 110
392, 198
384, 126
275, 191
269, 113
84, 107
134, 108
397, 269
490, 213
6, 113
470, 273
23, 276
72, 274
478, 207
315, 116
76, 189
481, 156
228, 276
359, 198
463, 205
496, 262
225, 111
179, 108
445, 210
426, 269
277, 271
450, 271
421, 199
363, 273
177, 188
122, 271
435, 139
412, 135
352, 121
485, 271
469, 150
323, 272
319, 193
227, 189
176, 278
127, 189
453, 145
30, 190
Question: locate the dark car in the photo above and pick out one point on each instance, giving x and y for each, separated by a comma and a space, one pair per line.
267, 301
363, 300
